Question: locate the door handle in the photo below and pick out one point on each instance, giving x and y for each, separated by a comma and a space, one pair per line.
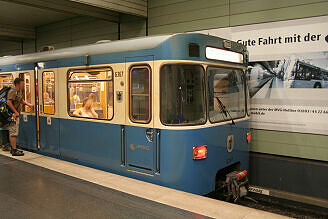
150, 134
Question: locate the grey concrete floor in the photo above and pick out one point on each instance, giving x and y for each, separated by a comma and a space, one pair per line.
28, 191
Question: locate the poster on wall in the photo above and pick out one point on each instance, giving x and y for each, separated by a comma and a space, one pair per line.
287, 73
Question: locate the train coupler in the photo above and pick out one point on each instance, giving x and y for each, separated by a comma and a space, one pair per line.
237, 185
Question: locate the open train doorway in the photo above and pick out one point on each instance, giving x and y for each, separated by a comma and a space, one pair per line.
28, 127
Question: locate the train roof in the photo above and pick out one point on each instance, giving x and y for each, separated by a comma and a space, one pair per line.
160, 47
90, 49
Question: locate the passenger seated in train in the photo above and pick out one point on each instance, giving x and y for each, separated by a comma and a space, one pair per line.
47, 99
87, 109
93, 97
76, 99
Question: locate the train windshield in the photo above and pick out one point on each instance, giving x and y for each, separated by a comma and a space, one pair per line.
182, 94
226, 90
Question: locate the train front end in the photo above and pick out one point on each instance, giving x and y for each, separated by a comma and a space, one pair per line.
204, 134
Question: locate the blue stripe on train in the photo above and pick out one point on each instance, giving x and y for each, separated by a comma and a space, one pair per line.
98, 145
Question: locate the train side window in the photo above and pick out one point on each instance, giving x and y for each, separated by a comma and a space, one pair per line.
6, 80
90, 93
48, 92
226, 93
140, 94
27, 90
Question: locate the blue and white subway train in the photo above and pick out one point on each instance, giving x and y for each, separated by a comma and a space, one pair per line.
170, 110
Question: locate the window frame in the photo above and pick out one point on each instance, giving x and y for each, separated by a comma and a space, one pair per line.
106, 68
247, 94
205, 93
144, 65
54, 92
8, 74
244, 81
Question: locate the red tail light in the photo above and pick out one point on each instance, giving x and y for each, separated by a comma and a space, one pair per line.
199, 152
242, 174
248, 137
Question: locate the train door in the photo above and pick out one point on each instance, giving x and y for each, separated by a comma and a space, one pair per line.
140, 137
27, 126
48, 121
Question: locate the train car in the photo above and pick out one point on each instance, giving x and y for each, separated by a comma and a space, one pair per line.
170, 110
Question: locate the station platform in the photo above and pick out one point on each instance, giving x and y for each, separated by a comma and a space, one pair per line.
37, 186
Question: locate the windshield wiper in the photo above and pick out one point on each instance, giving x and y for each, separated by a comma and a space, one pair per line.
224, 110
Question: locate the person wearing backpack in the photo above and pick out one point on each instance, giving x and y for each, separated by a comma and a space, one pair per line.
15, 102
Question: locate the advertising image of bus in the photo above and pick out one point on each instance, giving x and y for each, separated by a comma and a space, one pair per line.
305, 75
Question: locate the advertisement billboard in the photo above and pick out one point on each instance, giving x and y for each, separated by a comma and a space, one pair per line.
287, 73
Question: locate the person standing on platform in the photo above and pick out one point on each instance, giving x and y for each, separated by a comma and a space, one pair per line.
15, 102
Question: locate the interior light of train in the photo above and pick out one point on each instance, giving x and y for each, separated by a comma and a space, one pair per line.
224, 55
199, 152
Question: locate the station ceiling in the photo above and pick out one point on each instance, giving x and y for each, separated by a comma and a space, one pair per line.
19, 18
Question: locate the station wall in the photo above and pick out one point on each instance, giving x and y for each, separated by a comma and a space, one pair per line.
85, 30
16, 47
191, 15
183, 15
168, 16
74, 32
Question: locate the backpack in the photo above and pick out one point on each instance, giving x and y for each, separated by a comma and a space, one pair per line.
5, 111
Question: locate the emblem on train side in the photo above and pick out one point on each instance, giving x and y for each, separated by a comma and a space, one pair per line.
132, 147
230, 143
